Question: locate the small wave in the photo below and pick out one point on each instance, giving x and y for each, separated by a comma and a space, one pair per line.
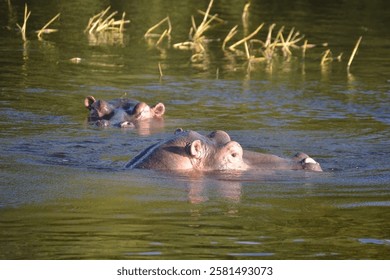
374, 241
366, 204
251, 254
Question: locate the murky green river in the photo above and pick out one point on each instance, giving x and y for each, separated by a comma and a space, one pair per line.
64, 193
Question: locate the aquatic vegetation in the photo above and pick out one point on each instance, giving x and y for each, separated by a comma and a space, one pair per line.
106, 30
160, 70
24, 26
198, 41
328, 57
45, 29
254, 49
262, 46
165, 33
251, 46
244, 40
257, 50
100, 23
354, 52
245, 15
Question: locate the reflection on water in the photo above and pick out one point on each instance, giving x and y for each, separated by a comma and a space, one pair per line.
64, 193
106, 38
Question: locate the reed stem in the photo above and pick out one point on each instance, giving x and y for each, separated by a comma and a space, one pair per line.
245, 12
232, 47
230, 35
327, 56
168, 31
44, 28
98, 23
354, 51
216, 16
160, 70
23, 28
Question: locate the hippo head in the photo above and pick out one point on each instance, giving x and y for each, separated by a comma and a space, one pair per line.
121, 112
189, 150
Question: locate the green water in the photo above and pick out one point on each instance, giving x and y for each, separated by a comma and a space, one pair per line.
65, 195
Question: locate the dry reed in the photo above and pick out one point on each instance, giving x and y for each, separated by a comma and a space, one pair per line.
245, 16
267, 48
154, 27
99, 23
23, 28
216, 18
326, 57
228, 37
45, 30
160, 70
165, 33
354, 52
232, 47
196, 34
245, 12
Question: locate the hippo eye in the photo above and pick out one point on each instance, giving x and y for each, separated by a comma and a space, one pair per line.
234, 154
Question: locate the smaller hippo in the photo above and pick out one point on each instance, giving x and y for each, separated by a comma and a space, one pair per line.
189, 150
121, 112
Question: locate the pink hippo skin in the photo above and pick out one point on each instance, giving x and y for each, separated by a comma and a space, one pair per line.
189, 150
121, 112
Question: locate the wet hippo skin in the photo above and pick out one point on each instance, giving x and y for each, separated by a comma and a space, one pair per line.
189, 150
121, 112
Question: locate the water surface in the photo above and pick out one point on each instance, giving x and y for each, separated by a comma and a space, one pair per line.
65, 195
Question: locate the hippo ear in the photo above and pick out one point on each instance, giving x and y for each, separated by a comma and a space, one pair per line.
158, 109
220, 137
196, 149
88, 101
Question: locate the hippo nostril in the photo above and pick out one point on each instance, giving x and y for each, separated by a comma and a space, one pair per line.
178, 130
309, 160
126, 124
102, 123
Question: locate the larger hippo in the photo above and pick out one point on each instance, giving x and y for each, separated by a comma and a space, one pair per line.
121, 112
189, 150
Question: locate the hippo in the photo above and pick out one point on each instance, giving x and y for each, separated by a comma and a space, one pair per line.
190, 150
121, 112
